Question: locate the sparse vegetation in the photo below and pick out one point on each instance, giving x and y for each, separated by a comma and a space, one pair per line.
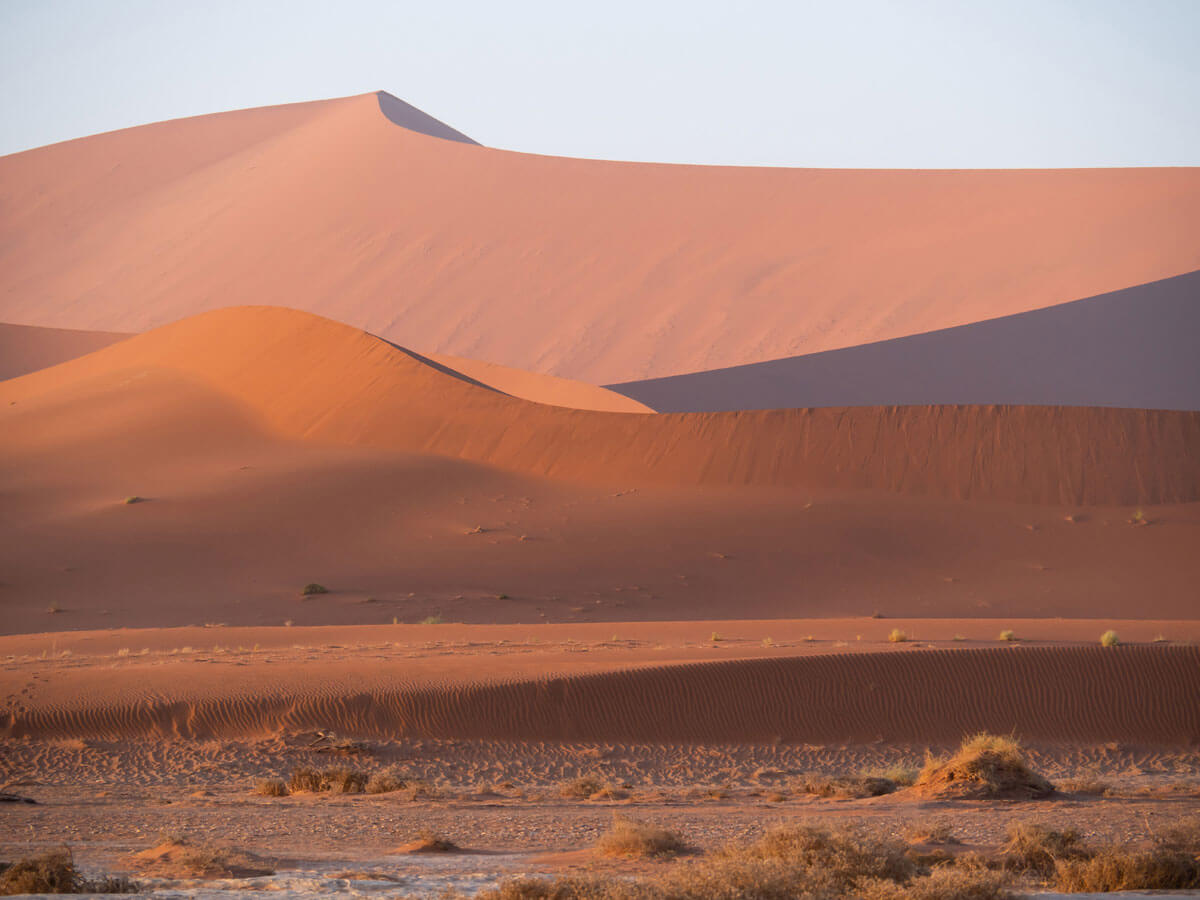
337, 781
134, 498
897, 636
1007, 635
430, 842
1036, 848
385, 782
1171, 863
853, 787
313, 588
716, 636
1109, 639
630, 838
55, 873
432, 620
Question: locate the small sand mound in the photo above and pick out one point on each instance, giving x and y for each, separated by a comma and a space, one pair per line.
429, 843
985, 767
175, 858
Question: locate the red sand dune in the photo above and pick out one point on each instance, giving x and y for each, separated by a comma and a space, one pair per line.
277, 448
601, 271
301, 376
1142, 695
25, 348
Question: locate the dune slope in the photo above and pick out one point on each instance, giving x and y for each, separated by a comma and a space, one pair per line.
304, 377
367, 211
1142, 695
1132, 348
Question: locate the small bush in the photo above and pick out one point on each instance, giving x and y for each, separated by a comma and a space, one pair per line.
271, 787
853, 787
55, 873
134, 498
385, 783
337, 781
627, 837
313, 588
904, 776
580, 788
897, 636
943, 883
430, 842
1032, 847
1109, 639
715, 637
1007, 635
842, 856
432, 620
985, 766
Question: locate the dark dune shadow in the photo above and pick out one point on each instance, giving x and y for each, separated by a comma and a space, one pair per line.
27, 348
445, 370
407, 116
1133, 348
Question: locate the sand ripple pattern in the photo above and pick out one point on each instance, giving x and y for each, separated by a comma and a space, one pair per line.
1138, 695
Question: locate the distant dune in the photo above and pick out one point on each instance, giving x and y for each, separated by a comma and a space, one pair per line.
373, 213
273, 448
1141, 695
1134, 348
301, 376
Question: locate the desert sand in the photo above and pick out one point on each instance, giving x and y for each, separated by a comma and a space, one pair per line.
330, 437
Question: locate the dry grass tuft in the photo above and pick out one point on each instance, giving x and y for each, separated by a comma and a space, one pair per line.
897, 636
843, 856
985, 766
1109, 639
55, 873
337, 781
943, 883
313, 588
1007, 635
853, 787
430, 842
1171, 863
271, 787
386, 782
1032, 847
630, 838
581, 788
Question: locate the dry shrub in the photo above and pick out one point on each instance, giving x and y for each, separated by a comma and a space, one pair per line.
904, 776
843, 856
337, 781
385, 782
581, 788
971, 882
1087, 784
897, 636
628, 837
931, 833
55, 873
569, 888
1032, 847
854, 787
985, 766
175, 857
271, 787
1171, 863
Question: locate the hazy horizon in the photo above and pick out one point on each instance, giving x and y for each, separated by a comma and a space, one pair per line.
1030, 85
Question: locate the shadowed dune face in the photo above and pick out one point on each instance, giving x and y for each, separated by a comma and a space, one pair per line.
1144, 695
301, 376
1133, 348
408, 116
25, 348
600, 271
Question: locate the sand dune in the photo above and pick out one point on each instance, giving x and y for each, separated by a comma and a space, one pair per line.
25, 348
599, 271
301, 376
1133, 348
1142, 695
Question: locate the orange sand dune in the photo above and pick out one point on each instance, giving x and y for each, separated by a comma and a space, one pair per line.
600, 271
25, 348
1085, 695
301, 376
275, 448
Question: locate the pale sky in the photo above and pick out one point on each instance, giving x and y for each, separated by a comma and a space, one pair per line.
846, 83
